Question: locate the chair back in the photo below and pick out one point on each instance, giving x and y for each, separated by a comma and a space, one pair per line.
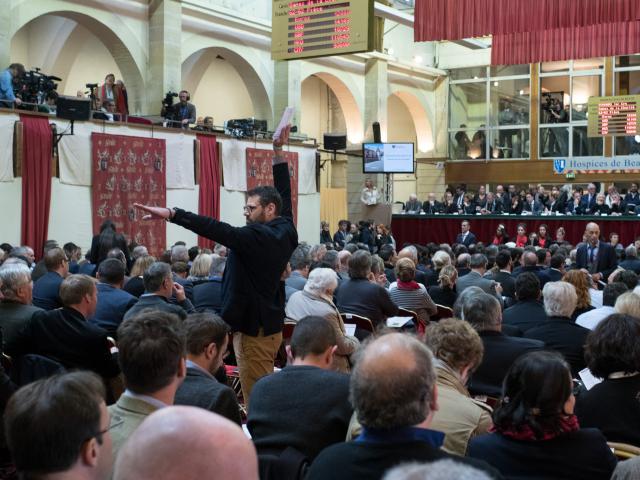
31, 367
360, 322
443, 312
624, 451
290, 464
287, 330
421, 326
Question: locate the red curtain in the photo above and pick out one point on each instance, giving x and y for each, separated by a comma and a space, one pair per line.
457, 19
602, 40
36, 181
209, 198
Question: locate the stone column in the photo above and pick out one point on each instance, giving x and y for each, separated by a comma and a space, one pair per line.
6, 31
287, 90
165, 51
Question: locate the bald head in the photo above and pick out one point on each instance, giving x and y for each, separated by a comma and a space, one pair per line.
409, 252
187, 443
530, 259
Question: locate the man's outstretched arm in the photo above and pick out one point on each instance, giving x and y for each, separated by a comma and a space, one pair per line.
281, 179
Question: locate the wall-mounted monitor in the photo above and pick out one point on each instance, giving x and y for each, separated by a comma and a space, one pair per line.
388, 158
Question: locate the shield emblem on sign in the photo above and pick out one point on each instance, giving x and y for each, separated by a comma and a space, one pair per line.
559, 165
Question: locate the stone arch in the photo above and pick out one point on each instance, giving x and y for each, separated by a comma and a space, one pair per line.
421, 121
114, 35
348, 104
197, 63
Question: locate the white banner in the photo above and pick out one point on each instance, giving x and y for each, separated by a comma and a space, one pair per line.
562, 166
6, 146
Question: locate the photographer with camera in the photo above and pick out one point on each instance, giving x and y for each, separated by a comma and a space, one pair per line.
181, 114
15, 70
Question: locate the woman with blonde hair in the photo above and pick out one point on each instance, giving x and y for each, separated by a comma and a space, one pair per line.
445, 292
200, 267
579, 280
629, 303
135, 285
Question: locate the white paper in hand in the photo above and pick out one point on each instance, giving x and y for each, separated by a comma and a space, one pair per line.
588, 380
287, 115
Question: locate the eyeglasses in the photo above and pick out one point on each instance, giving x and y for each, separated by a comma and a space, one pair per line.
98, 435
249, 208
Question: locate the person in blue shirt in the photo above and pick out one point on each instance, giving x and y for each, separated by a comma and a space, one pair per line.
6, 83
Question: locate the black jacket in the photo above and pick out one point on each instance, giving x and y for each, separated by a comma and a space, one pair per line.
65, 336
208, 295
158, 302
578, 455
500, 351
46, 291
507, 282
525, 315
564, 336
631, 264
360, 296
303, 407
201, 390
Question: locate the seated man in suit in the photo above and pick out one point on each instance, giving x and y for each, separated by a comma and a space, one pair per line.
340, 237
159, 286
532, 206
15, 309
319, 412
431, 206
358, 295
631, 261
46, 289
598, 258
207, 342
528, 312
529, 264
556, 270
500, 351
393, 389
588, 200
493, 206
152, 357
413, 206
65, 335
208, 295
475, 278
559, 332
503, 275
214, 445
465, 237
113, 302
58, 427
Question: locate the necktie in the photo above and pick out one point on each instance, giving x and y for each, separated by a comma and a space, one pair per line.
591, 252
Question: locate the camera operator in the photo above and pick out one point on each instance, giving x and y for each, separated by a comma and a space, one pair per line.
15, 70
181, 114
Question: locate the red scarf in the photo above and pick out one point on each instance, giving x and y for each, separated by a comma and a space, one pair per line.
542, 241
568, 424
521, 240
412, 285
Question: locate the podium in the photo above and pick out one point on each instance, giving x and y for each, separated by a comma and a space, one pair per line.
379, 213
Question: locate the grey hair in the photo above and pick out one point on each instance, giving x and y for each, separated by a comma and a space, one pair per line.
483, 311
573, 254
440, 470
155, 275
218, 248
320, 280
463, 260
560, 299
413, 251
440, 259
179, 253
463, 297
631, 252
629, 304
13, 276
218, 265
139, 251
478, 260
15, 261
300, 258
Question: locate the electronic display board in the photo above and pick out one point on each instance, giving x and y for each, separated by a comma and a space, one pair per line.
613, 116
320, 28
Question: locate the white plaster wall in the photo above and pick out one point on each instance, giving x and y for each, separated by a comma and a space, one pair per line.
450, 55
11, 201
70, 217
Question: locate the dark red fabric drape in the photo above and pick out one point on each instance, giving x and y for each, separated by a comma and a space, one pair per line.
457, 19
36, 181
209, 197
602, 40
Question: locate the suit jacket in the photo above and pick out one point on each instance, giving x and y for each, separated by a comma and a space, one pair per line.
494, 207
536, 209
549, 275
200, 389
208, 295
113, 303
301, 406
557, 206
470, 240
188, 288
340, 238
632, 198
126, 415
631, 264
578, 455
507, 281
413, 207
360, 296
564, 336
606, 261
525, 315
64, 335
46, 291
500, 351
474, 279
253, 295
134, 286
431, 209
14, 317
157, 302
587, 205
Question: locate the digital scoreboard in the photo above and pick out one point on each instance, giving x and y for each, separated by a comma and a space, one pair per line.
614, 116
319, 28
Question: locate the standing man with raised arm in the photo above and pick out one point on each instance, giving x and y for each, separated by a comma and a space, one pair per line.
253, 294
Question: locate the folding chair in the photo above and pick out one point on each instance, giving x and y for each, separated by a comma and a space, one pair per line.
624, 451
360, 322
443, 312
421, 326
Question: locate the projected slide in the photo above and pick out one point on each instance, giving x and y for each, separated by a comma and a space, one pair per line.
388, 157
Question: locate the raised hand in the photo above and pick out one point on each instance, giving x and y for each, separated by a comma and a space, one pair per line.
282, 139
154, 213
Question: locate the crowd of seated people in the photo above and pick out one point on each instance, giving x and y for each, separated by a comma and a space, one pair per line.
492, 385
558, 200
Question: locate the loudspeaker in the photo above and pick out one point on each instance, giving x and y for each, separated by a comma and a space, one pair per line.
335, 141
73, 108
376, 133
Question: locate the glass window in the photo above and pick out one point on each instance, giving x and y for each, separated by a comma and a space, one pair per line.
628, 145
554, 142
584, 146
583, 88
555, 95
589, 64
628, 61
547, 67
509, 143
628, 83
468, 73
509, 70
468, 105
468, 144
509, 102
